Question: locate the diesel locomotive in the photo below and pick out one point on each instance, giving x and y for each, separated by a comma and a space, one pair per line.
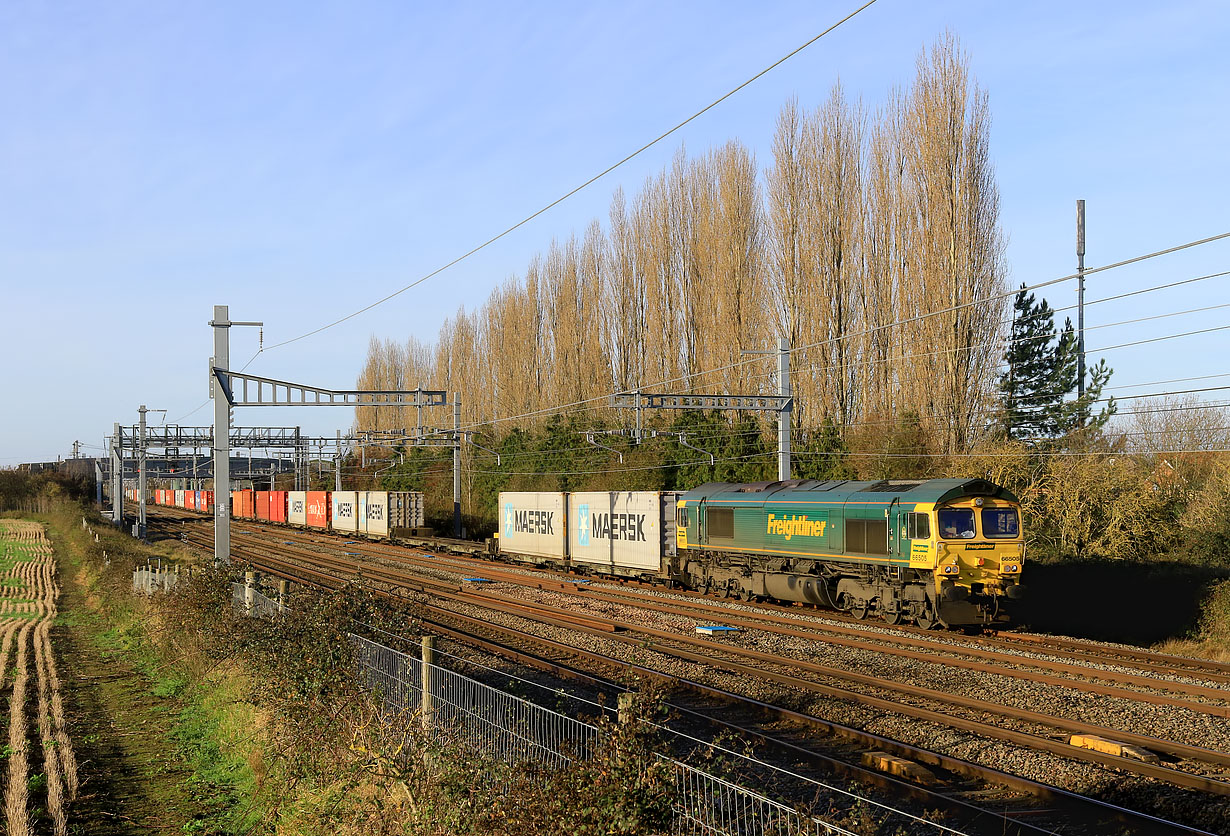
934, 552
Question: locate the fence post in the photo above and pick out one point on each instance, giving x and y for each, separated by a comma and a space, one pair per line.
249, 592
429, 659
283, 593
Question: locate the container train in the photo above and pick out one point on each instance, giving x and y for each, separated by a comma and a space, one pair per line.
945, 552
931, 552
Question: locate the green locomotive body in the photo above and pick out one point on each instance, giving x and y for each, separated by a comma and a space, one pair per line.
937, 551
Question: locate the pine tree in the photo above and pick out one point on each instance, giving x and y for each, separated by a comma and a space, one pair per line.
1027, 388
1066, 413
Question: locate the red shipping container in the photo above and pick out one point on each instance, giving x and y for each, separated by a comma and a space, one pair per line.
190, 500
277, 506
262, 505
319, 509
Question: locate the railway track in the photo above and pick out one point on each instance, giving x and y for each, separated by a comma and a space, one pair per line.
1034, 661
296, 555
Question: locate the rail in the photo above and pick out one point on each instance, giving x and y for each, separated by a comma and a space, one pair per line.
516, 731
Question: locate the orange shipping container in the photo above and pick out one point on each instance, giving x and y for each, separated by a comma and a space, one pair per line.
318, 509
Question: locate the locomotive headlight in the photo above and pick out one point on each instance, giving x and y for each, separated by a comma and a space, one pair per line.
951, 569
1010, 569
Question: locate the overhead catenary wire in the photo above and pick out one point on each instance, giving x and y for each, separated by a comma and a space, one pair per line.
752, 432
1005, 341
579, 188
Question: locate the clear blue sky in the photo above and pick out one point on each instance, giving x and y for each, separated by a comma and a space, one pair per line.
299, 160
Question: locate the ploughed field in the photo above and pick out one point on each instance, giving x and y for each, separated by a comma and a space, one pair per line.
40, 766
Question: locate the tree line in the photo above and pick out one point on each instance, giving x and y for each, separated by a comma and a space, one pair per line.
871, 242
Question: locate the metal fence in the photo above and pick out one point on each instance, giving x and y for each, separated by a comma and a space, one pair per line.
467, 712
706, 805
251, 601
497, 724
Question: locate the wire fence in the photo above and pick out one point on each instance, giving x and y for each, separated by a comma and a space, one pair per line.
467, 712
706, 805
491, 722
251, 601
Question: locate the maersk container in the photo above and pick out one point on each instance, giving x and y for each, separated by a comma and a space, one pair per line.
533, 523
345, 511
622, 531
296, 508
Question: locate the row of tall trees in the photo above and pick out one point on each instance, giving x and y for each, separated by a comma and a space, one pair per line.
871, 242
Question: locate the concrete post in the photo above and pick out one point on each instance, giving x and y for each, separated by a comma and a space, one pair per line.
249, 592
457, 465
141, 476
429, 659
117, 477
219, 384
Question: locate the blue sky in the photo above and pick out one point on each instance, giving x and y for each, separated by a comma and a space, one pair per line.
296, 161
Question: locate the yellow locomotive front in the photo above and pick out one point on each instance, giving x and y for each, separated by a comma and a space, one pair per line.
976, 550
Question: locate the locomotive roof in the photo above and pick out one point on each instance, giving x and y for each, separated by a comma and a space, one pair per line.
845, 490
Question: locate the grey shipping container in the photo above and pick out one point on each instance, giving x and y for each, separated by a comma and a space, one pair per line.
532, 523
405, 511
622, 532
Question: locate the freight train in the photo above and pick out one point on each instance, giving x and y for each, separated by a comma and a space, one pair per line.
380, 514
936, 552
931, 552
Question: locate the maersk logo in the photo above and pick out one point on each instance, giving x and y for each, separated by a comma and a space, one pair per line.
583, 525
627, 527
528, 522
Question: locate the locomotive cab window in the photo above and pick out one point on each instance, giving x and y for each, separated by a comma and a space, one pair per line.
720, 522
1000, 522
918, 526
681, 517
957, 523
